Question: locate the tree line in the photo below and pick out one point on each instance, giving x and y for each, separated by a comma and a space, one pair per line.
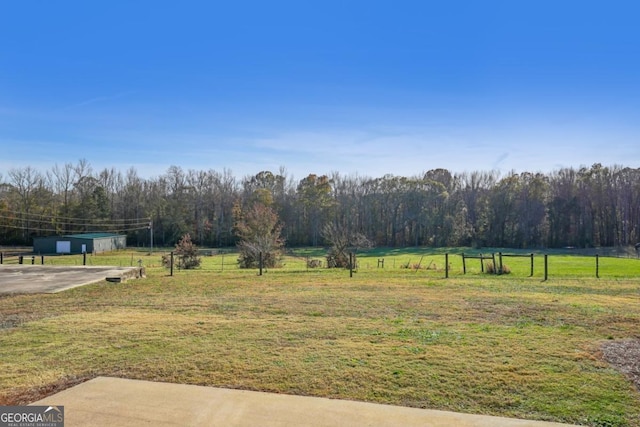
583, 207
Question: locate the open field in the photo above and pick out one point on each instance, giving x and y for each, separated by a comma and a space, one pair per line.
502, 345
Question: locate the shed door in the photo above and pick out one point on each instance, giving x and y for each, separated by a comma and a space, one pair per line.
63, 247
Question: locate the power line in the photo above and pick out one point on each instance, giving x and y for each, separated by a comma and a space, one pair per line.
52, 230
71, 219
43, 223
35, 223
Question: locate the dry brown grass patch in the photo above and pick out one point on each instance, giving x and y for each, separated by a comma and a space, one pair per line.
27, 395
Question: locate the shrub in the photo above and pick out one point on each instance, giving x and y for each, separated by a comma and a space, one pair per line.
249, 256
166, 261
337, 259
489, 268
186, 253
314, 263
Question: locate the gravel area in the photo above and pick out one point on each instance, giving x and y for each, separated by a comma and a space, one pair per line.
624, 356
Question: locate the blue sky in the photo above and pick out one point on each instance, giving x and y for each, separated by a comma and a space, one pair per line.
350, 86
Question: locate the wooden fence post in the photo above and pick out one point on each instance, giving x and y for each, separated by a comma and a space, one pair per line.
546, 267
464, 265
446, 266
171, 263
260, 264
531, 275
597, 266
350, 264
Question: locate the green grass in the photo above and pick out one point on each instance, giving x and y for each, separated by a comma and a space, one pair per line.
502, 345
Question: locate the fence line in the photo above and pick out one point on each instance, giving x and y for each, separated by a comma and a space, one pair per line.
556, 265
549, 264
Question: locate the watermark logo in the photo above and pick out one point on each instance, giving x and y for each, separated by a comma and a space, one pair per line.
31, 416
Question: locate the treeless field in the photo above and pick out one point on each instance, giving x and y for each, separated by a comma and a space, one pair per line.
502, 345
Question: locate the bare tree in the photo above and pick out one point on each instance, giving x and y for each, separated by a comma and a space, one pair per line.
24, 182
343, 241
62, 179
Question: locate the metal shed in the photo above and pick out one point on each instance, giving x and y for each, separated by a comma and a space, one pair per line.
79, 243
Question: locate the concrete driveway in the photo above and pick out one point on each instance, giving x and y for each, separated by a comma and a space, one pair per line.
118, 402
34, 279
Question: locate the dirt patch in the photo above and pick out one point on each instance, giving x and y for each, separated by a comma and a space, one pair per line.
30, 395
624, 356
13, 320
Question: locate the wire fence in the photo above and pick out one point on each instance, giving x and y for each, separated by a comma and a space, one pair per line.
444, 265
544, 266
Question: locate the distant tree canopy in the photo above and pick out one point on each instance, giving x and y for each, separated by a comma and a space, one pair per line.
584, 207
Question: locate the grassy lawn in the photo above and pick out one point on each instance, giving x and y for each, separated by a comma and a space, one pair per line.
507, 345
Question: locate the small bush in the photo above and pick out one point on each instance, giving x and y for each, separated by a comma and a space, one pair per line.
314, 263
166, 261
489, 268
250, 253
337, 260
186, 253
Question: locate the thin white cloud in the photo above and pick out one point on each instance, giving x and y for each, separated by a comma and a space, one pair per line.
96, 100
